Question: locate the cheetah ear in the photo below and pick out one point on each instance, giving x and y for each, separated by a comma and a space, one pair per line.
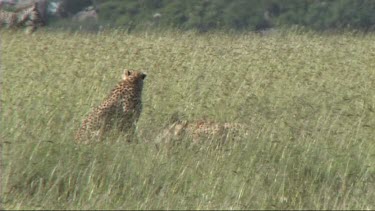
126, 74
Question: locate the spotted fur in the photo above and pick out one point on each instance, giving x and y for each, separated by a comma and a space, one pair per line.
9, 19
122, 107
28, 17
201, 129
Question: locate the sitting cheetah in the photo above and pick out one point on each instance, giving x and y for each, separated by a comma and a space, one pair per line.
123, 107
201, 129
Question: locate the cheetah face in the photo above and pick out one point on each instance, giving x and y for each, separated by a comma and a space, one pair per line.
130, 75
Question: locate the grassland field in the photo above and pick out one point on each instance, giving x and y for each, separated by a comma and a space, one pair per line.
308, 99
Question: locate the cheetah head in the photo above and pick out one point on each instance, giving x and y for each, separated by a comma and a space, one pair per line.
130, 75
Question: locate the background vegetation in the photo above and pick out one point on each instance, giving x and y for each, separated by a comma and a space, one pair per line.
308, 100
205, 15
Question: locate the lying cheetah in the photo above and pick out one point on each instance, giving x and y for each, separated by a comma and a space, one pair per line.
200, 130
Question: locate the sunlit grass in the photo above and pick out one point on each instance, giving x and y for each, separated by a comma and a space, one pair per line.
308, 99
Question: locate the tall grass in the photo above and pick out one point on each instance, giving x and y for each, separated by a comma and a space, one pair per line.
308, 99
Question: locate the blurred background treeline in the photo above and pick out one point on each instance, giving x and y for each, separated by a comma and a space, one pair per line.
206, 15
